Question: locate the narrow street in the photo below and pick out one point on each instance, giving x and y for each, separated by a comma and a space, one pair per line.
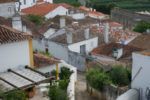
80, 91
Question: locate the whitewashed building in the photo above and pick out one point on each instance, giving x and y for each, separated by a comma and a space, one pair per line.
15, 49
140, 73
46, 10
7, 8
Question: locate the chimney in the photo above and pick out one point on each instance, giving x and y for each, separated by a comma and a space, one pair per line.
117, 53
62, 22
69, 37
106, 33
86, 33
17, 22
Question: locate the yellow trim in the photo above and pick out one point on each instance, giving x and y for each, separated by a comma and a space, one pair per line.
31, 53
57, 71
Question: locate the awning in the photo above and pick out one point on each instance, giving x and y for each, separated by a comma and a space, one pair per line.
21, 78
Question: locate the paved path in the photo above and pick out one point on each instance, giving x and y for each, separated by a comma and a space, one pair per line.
80, 91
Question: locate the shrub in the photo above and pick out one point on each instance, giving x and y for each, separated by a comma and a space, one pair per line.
97, 78
53, 72
65, 73
55, 93
119, 76
142, 26
15, 95
35, 19
63, 84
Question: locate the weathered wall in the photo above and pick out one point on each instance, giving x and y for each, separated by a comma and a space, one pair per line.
77, 60
110, 92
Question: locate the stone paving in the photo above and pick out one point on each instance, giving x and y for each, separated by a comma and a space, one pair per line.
80, 92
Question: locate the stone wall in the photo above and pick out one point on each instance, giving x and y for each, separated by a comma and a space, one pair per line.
77, 60
110, 92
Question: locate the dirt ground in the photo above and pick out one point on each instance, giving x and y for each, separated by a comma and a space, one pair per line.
80, 90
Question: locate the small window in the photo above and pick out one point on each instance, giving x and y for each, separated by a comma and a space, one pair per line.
24, 2
9, 9
83, 49
33, 1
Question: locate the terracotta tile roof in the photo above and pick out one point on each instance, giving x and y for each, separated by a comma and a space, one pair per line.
5, 1
107, 49
30, 25
115, 24
142, 41
65, 5
77, 35
40, 9
41, 60
95, 13
84, 8
9, 35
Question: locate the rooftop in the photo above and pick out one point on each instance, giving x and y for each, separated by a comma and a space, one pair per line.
44, 8
9, 35
20, 78
107, 49
41, 60
40, 9
142, 41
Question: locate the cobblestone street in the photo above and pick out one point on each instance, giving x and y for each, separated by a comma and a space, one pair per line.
81, 93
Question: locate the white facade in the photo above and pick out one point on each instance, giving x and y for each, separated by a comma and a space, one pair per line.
90, 44
78, 16
141, 74
25, 3
14, 55
58, 11
49, 32
7, 9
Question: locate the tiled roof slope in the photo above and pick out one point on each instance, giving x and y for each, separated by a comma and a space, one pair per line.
41, 60
9, 35
142, 41
40, 9
107, 49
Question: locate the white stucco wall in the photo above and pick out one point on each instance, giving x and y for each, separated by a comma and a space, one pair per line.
77, 16
38, 45
142, 80
58, 11
56, 49
7, 9
14, 55
29, 3
49, 32
90, 45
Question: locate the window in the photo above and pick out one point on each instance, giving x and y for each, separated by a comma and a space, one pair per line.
33, 1
9, 9
83, 49
24, 2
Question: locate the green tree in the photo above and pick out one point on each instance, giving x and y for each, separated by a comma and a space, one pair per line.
142, 26
97, 78
55, 93
120, 76
35, 19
